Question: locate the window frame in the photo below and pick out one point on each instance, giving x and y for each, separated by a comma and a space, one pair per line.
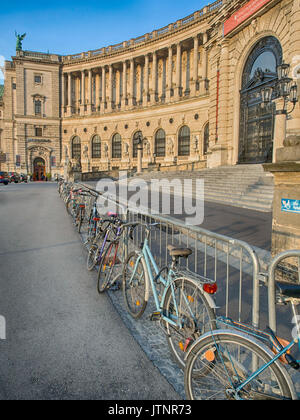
116, 146
184, 142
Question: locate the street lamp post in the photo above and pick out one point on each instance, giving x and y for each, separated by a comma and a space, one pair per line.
284, 92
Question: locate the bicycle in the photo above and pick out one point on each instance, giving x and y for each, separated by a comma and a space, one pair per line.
111, 260
185, 307
243, 362
101, 237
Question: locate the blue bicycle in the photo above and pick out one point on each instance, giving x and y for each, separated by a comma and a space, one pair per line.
239, 362
183, 301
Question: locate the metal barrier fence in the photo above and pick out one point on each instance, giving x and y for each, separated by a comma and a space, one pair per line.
285, 267
232, 263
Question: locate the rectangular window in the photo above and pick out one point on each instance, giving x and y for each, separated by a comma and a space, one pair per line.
38, 107
37, 79
38, 132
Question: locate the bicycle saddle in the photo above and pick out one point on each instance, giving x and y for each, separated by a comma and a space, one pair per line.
179, 252
289, 290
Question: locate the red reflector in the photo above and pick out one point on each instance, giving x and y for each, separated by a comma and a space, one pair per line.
96, 219
210, 288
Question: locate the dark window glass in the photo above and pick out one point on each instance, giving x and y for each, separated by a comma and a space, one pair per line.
117, 146
38, 107
206, 139
160, 143
96, 147
184, 141
38, 131
76, 148
38, 79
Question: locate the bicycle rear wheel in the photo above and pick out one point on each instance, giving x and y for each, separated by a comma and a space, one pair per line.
110, 267
194, 312
218, 364
135, 285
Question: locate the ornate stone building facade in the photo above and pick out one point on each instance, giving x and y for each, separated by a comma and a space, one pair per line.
191, 90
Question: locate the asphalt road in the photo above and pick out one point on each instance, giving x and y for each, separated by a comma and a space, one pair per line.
251, 226
64, 341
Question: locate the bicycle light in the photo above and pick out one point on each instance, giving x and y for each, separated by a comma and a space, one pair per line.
210, 288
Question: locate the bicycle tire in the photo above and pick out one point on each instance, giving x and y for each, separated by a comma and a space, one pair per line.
92, 257
80, 219
135, 290
211, 374
110, 263
202, 321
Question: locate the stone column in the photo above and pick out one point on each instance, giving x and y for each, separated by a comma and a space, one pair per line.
178, 87
294, 47
169, 74
103, 89
110, 88
146, 80
195, 72
97, 95
154, 78
204, 74
90, 91
223, 93
82, 106
131, 83
63, 94
124, 85
69, 111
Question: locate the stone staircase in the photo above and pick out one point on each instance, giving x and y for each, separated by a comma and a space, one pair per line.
246, 186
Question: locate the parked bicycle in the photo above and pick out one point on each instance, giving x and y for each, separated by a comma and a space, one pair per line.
183, 301
239, 362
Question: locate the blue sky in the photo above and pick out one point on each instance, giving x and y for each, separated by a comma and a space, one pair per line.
69, 27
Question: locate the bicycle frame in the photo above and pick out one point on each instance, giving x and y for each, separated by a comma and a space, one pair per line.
150, 261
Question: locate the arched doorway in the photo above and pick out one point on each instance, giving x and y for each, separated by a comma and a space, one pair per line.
257, 121
39, 169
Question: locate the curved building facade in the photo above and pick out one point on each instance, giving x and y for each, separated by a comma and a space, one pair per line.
190, 90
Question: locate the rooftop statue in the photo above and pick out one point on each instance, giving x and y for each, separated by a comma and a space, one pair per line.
19, 41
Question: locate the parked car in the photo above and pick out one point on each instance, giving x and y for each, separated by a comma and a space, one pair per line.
4, 178
14, 177
23, 178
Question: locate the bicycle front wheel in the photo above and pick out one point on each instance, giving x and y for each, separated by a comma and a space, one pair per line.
218, 365
135, 285
185, 302
110, 267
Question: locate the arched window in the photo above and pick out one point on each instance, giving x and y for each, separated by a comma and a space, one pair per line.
257, 123
96, 147
76, 148
184, 141
206, 139
135, 142
117, 146
160, 143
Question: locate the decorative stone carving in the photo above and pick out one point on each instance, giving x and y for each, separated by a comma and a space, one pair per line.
292, 141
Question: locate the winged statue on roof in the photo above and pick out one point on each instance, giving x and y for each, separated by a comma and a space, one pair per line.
19, 41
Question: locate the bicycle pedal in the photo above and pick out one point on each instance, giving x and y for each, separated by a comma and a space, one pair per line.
156, 316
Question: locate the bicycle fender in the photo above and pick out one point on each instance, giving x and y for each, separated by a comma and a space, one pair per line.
249, 339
